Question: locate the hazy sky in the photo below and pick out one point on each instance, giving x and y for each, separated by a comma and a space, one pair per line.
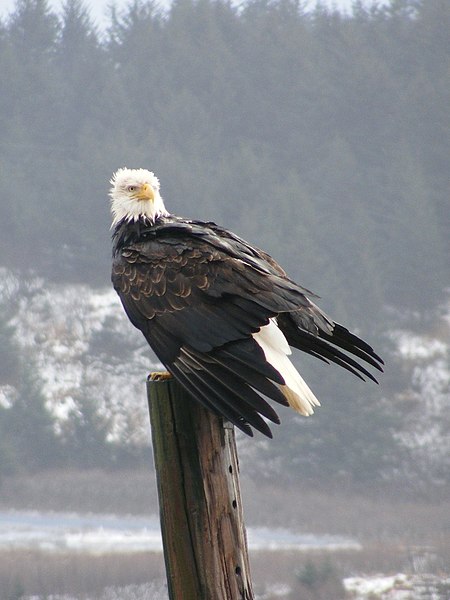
98, 8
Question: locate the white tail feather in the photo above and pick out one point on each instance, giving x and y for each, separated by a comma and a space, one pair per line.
276, 350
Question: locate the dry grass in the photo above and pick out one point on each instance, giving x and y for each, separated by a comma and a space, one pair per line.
309, 575
397, 534
375, 517
369, 518
40, 573
97, 491
318, 575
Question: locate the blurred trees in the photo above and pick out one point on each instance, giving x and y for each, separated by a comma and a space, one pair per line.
320, 137
27, 438
28, 442
266, 118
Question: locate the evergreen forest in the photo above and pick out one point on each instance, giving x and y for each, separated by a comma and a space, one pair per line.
321, 137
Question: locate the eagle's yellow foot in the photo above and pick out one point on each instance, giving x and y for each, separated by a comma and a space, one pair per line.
159, 376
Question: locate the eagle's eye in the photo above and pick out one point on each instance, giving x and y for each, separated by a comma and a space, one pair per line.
131, 188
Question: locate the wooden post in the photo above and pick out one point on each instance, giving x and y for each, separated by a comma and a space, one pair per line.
204, 540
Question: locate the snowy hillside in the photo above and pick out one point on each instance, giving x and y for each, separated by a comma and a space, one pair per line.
425, 361
84, 347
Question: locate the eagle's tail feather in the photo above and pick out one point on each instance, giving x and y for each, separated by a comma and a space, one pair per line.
276, 350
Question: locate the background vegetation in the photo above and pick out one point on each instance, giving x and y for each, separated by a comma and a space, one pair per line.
397, 536
322, 138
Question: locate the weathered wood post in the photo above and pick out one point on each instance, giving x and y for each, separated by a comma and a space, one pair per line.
197, 470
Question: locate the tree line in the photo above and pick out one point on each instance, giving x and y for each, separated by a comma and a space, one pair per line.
319, 136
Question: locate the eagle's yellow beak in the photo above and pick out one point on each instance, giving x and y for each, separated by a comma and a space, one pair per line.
145, 192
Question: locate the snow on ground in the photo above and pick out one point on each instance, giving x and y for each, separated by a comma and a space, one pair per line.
106, 534
398, 587
83, 347
362, 587
426, 360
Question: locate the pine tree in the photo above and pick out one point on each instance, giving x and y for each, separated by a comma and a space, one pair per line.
27, 427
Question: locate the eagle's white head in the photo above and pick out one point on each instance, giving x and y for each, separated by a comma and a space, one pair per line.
134, 194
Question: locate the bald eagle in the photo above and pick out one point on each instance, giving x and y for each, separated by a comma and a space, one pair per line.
220, 314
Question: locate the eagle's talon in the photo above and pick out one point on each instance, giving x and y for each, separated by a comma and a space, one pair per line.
160, 376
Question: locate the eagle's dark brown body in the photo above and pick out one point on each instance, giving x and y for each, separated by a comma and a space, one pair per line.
200, 295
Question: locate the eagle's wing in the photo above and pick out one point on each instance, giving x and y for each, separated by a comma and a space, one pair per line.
200, 297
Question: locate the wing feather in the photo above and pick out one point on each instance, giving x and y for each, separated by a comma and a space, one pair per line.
200, 392
223, 400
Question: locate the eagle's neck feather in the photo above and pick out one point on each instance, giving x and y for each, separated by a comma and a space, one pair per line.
131, 232
126, 209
